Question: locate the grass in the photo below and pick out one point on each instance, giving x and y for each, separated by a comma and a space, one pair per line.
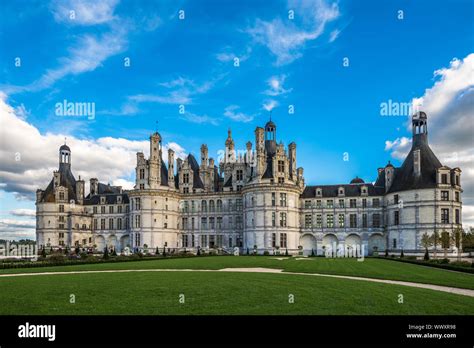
370, 268
217, 293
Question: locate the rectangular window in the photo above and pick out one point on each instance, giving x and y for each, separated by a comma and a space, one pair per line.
330, 220
142, 174
353, 220
307, 204
456, 195
119, 209
137, 204
204, 223
185, 189
212, 224
395, 199
445, 195
230, 242
281, 180
219, 222
111, 224
102, 224
394, 243
458, 218
364, 203
283, 199
274, 240
353, 203
273, 199
61, 208
238, 204
238, 221
94, 210
186, 178
319, 221
281, 166
185, 223
283, 240
95, 224
282, 219
239, 175
137, 221
341, 220
444, 178
318, 203
111, 209
185, 240
307, 221
364, 220
376, 202
330, 203
445, 216
341, 203
204, 241
102, 210
273, 219
119, 224
396, 217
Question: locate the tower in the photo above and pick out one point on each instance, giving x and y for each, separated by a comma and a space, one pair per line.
270, 137
229, 148
419, 124
64, 157
155, 161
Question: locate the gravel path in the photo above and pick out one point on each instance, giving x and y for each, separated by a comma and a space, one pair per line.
452, 290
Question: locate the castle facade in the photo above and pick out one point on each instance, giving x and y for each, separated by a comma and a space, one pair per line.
256, 201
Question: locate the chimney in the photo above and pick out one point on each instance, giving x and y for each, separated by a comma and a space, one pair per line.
80, 190
94, 186
171, 168
57, 178
417, 162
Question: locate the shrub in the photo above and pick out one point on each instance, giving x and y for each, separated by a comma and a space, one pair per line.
461, 263
56, 258
312, 253
106, 253
266, 253
157, 251
164, 252
199, 252
401, 254
43, 252
286, 252
83, 256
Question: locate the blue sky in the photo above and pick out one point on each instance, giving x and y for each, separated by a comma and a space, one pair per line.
190, 62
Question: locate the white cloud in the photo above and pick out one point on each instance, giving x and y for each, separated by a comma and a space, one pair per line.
449, 105
12, 229
83, 12
275, 84
286, 38
334, 35
109, 159
23, 212
231, 112
199, 119
270, 104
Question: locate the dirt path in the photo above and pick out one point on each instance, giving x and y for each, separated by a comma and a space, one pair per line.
452, 290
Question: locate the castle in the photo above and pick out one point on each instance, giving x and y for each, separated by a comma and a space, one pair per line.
257, 201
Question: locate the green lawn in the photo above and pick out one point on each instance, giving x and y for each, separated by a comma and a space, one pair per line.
371, 268
217, 293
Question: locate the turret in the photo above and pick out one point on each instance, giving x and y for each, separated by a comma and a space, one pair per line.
229, 148
204, 156
260, 150
94, 186
64, 157
292, 158
419, 124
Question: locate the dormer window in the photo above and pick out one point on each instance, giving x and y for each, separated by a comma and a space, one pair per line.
119, 199
318, 192
102, 200
444, 178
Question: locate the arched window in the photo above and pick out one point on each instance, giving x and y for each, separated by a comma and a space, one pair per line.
212, 207
204, 206
219, 205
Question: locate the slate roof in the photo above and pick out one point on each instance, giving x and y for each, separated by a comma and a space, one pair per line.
350, 190
66, 179
404, 177
197, 182
110, 198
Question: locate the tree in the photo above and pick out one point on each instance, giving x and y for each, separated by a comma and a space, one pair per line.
164, 252
435, 237
43, 252
286, 252
456, 240
106, 253
401, 254
157, 251
312, 252
426, 242
445, 242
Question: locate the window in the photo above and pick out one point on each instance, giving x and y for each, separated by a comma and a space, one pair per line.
102, 210
273, 219
185, 223
307, 221
186, 206
119, 209
456, 195
204, 241
127, 223
239, 188
238, 204
445, 195
281, 166
318, 203
137, 239
111, 224
364, 203
341, 203
212, 224
94, 210
353, 203
273, 199
230, 222
364, 220
457, 180
330, 220
281, 180
307, 204
193, 207
458, 218
192, 223
111, 209
61, 196
219, 205
142, 186
283, 199
185, 241
102, 224
230, 242
376, 202
319, 221
142, 173
396, 217
445, 216
283, 240
239, 174
341, 220
119, 224
185, 189
219, 222
444, 178
186, 178
330, 203
353, 220
395, 199
274, 240
231, 205
238, 221
282, 219
137, 204
95, 224
394, 243
137, 221
61, 208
